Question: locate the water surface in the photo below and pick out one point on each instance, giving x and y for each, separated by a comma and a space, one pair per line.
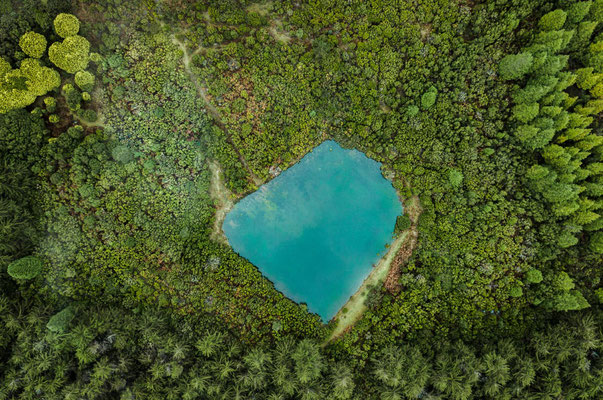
317, 229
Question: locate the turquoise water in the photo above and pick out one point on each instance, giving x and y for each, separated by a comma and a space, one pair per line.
317, 229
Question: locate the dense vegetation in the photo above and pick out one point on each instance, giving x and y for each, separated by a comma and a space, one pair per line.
115, 117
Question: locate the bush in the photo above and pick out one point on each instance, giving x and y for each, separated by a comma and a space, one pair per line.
402, 223
515, 66
515, 291
33, 44
66, 25
25, 268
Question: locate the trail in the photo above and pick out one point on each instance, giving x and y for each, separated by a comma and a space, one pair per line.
223, 198
212, 111
386, 272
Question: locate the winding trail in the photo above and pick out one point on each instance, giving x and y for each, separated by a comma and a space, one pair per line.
211, 109
224, 199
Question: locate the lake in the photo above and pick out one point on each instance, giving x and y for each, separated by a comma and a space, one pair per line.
317, 229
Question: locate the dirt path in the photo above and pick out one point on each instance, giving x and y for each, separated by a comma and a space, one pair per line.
355, 305
212, 111
386, 272
223, 198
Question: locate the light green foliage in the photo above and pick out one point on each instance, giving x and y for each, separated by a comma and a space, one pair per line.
516, 291
33, 44
515, 66
122, 154
50, 103
71, 55
455, 177
20, 87
412, 110
429, 98
533, 276
526, 112
59, 322
553, 20
84, 80
66, 25
25, 268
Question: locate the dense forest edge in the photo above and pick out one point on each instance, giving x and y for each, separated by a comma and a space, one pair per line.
128, 129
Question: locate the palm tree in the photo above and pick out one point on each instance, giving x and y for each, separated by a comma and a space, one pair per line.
308, 361
209, 344
342, 381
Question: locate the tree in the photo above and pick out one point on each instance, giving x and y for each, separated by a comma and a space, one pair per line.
577, 11
553, 20
84, 80
66, 25
596, 242
429, 98
526, 112
515, 66
25, 268
71, 55
33, 44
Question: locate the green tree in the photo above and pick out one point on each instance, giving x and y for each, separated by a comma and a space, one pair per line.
33, 44
25, 268
553, 20
515, 66
84, 80
429, 98
71, 55
66, 25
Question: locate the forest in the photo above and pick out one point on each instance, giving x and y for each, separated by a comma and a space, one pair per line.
127, 127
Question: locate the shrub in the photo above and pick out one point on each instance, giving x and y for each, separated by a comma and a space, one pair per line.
66, 25
515, 66
515, 291
402, 223
84, 80
25, 268
33, 44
